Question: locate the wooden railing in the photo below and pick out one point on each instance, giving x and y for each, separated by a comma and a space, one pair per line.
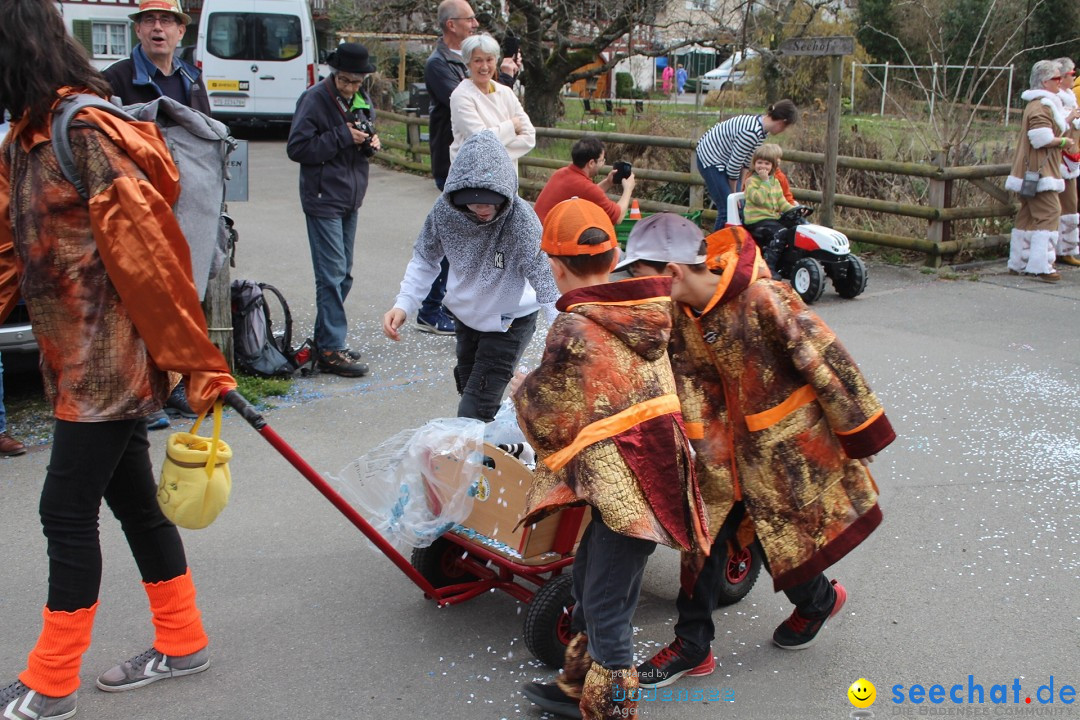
939, 214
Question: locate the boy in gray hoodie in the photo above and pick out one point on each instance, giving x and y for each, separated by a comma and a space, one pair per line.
498, 280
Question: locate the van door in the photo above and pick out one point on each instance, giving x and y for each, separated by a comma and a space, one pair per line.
256, 63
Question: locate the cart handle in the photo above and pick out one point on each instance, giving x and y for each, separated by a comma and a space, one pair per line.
238, 402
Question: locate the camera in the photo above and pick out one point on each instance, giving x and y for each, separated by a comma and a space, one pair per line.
364, 125
622, 170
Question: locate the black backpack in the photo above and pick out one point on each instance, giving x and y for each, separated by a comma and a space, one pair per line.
257, 349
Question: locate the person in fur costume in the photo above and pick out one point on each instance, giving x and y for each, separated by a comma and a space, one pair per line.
1043, 138
1068, 234
780, 418
602, 414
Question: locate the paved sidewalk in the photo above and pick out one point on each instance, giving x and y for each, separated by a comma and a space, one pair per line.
975, 571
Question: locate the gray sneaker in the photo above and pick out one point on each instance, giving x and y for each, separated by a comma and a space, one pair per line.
19, 702
149, 667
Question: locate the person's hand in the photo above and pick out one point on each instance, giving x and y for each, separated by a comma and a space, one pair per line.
517, 124
1071, 147
509, 66
628, 183
867, 460
359, 137
376, 144
763, 174
608, 181
392, 321
515, 382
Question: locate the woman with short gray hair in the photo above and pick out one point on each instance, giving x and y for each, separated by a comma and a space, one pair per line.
1036, 175
481, 103
1069, 224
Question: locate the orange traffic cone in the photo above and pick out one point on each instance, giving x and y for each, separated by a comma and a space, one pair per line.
635, 211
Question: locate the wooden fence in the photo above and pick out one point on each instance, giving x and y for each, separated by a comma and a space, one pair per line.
939, 213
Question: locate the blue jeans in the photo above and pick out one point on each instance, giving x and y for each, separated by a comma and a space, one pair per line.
3, 413
719, 186
485, 364
432, 304
608, 568
331, 241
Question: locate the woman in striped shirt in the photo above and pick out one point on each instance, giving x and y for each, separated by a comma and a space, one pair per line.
724, 152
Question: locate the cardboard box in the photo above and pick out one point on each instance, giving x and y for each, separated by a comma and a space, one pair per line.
500, 502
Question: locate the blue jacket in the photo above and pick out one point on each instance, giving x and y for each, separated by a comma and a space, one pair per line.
132, 79
333, 170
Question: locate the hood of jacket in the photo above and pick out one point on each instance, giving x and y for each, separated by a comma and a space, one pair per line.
483, 162
636, 311
733, 254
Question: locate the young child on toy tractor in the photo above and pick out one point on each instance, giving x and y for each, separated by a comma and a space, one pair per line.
765, 202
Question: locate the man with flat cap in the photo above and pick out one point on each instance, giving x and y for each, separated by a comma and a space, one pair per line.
154, 69
332, 136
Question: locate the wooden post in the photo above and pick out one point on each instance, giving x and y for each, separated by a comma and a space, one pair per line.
832, 140
217, 305
834, 47
401, 66
697, 192
412, 132
940, 197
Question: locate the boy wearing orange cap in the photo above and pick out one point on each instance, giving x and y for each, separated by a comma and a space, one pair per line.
602, 414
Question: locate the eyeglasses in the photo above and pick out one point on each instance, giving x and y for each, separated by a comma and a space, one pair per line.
466, 19
348, 79
1056, 78
165, 20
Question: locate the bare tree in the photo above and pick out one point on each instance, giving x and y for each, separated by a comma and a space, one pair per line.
979, 63
558, 37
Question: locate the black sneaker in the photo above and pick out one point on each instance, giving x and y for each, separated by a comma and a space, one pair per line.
338, 362
670, 664
798, 632
550, 697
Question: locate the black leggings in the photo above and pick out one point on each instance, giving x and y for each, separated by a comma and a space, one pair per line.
91, 461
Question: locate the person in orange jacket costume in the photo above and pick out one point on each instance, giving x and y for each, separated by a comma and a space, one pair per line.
113, 305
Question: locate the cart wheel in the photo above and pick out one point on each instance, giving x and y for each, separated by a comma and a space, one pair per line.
808, 279
741, 570
853, 281
547, 623
439, 565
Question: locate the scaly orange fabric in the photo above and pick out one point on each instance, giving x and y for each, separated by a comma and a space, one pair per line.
52, 667
177, 621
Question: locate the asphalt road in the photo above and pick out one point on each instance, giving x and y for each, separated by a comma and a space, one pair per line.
975, 571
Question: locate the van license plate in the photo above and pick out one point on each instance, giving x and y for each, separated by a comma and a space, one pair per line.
230, 101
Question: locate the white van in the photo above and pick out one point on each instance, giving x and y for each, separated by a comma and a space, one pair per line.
257, 57
731, 73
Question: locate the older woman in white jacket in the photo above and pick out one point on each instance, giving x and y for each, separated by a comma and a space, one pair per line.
480, 102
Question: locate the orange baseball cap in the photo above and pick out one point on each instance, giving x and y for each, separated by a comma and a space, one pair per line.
566, 222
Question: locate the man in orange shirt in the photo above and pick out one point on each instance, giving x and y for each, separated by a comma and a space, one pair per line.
575, 180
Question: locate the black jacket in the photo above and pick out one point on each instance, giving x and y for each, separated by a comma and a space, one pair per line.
132, 80
333, 170
443, 72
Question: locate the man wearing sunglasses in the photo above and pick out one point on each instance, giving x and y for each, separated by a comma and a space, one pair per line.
154, 69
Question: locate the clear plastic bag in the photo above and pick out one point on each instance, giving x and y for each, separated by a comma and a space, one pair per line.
419, 483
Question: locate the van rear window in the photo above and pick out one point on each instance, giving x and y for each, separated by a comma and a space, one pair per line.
254, 36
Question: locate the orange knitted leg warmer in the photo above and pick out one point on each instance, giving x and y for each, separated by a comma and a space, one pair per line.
178, 626
52, 667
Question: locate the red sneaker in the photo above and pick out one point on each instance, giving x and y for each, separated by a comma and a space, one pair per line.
798, 632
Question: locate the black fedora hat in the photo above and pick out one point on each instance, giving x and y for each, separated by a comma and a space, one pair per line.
351, 58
